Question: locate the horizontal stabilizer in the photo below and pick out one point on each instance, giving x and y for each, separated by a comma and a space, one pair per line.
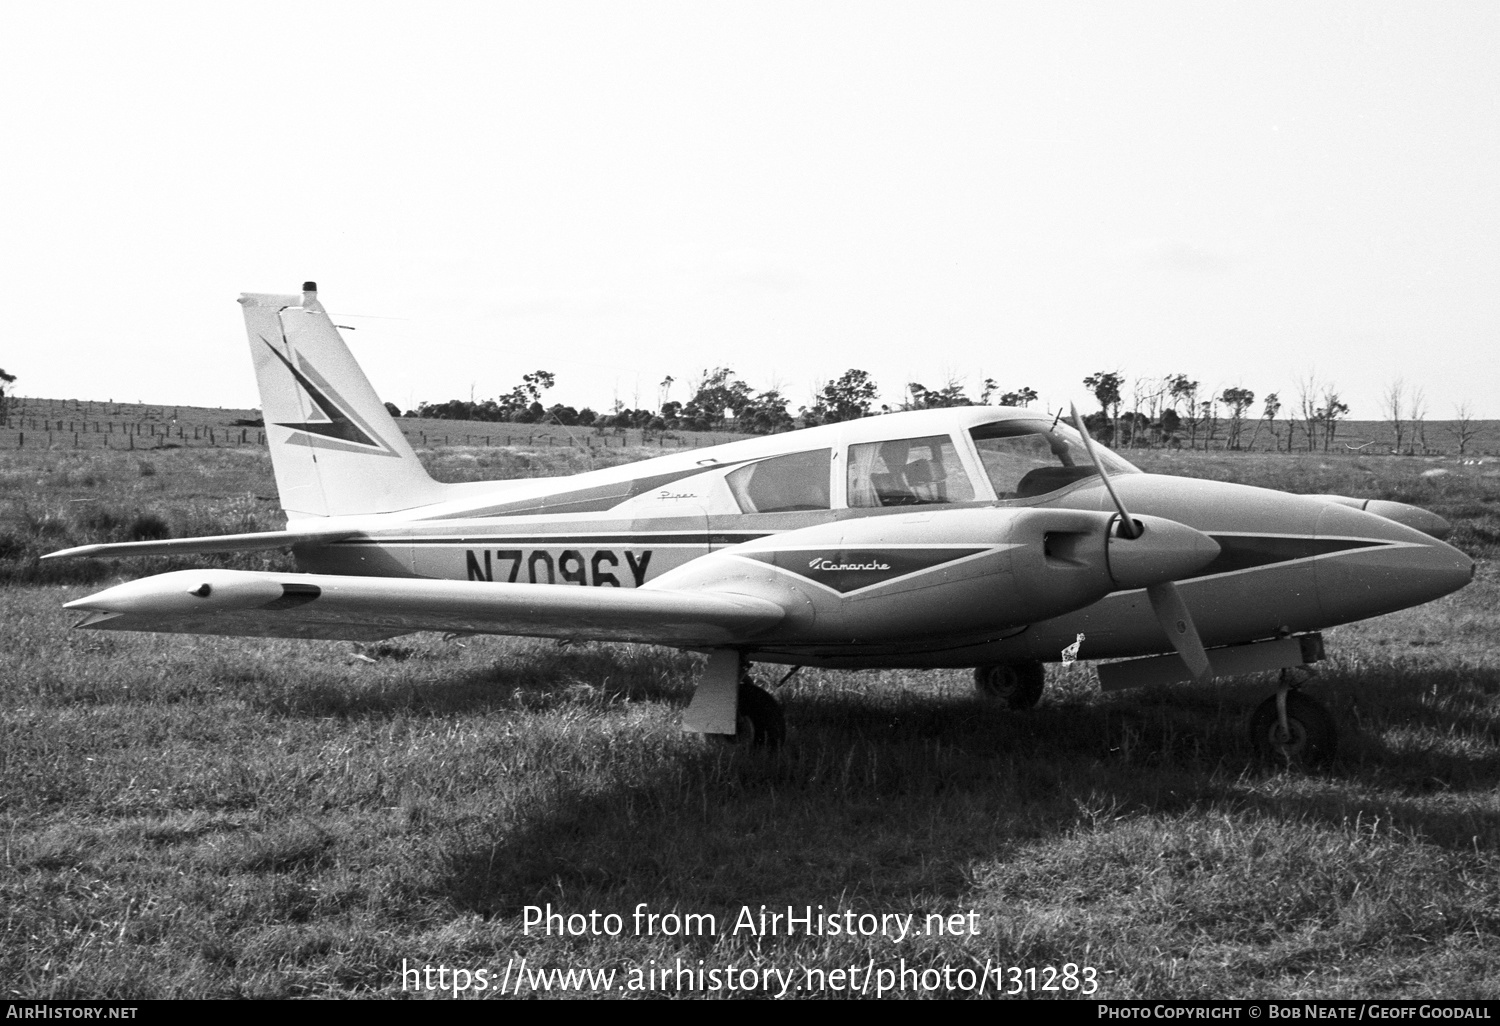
256, 542
254, 604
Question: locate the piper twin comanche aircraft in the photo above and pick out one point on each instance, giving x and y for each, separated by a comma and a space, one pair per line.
980, 537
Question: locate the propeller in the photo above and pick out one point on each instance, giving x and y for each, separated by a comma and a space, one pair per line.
1166, 600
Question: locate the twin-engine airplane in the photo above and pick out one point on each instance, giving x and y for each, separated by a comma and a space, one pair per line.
978, 537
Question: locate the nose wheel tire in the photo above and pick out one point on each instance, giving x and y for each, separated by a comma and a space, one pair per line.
1311, 738
1018, 685
761, 723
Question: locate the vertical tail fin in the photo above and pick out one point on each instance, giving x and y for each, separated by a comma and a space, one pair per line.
335, 449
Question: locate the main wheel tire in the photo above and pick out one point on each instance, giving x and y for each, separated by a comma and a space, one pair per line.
1314, 736
1018, 685
761, 723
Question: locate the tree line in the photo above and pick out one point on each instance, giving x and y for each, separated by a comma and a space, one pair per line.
719, 401
1167, 411
1174, 410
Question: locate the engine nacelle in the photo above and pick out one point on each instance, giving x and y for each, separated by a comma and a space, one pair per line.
952, 573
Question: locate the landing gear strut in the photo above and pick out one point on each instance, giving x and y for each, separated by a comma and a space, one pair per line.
1293, 729
1018, 685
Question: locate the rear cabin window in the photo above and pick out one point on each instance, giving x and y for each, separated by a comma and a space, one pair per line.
907, 472
783, 484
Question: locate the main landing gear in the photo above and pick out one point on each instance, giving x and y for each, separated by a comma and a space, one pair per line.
760, 723
1018, 685
729, 705
1293, 729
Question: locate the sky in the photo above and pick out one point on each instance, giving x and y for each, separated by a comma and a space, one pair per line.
1254, 194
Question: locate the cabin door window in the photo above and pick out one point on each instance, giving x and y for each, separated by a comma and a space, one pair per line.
907, 472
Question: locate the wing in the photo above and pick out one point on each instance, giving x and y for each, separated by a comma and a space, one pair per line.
299, 605
271, 605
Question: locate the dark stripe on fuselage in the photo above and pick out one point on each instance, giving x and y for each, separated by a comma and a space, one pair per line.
572, 540
736, 539
1245, 552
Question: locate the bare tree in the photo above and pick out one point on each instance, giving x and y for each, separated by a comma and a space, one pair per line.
1329, 414
1147, 393
1156, 397
1307, 405
1138, 391
1208, 421
1463, 428
1416, 420
1391, 401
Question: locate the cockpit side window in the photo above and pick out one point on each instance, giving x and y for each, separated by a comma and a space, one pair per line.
783, 484
907, 472
1024, 459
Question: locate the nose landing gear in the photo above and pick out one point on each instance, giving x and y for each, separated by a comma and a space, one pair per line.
1293, 729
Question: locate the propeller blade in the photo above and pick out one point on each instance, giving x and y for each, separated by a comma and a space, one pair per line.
1172, 613
1166, 601
1128, 527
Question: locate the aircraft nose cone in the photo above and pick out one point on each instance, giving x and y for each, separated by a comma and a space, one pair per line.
1372, 565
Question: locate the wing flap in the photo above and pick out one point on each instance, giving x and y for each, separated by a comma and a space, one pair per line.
254, 604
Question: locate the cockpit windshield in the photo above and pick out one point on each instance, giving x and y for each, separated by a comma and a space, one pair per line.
1026, 458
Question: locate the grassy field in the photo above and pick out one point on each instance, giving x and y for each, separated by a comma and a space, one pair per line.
214, 817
